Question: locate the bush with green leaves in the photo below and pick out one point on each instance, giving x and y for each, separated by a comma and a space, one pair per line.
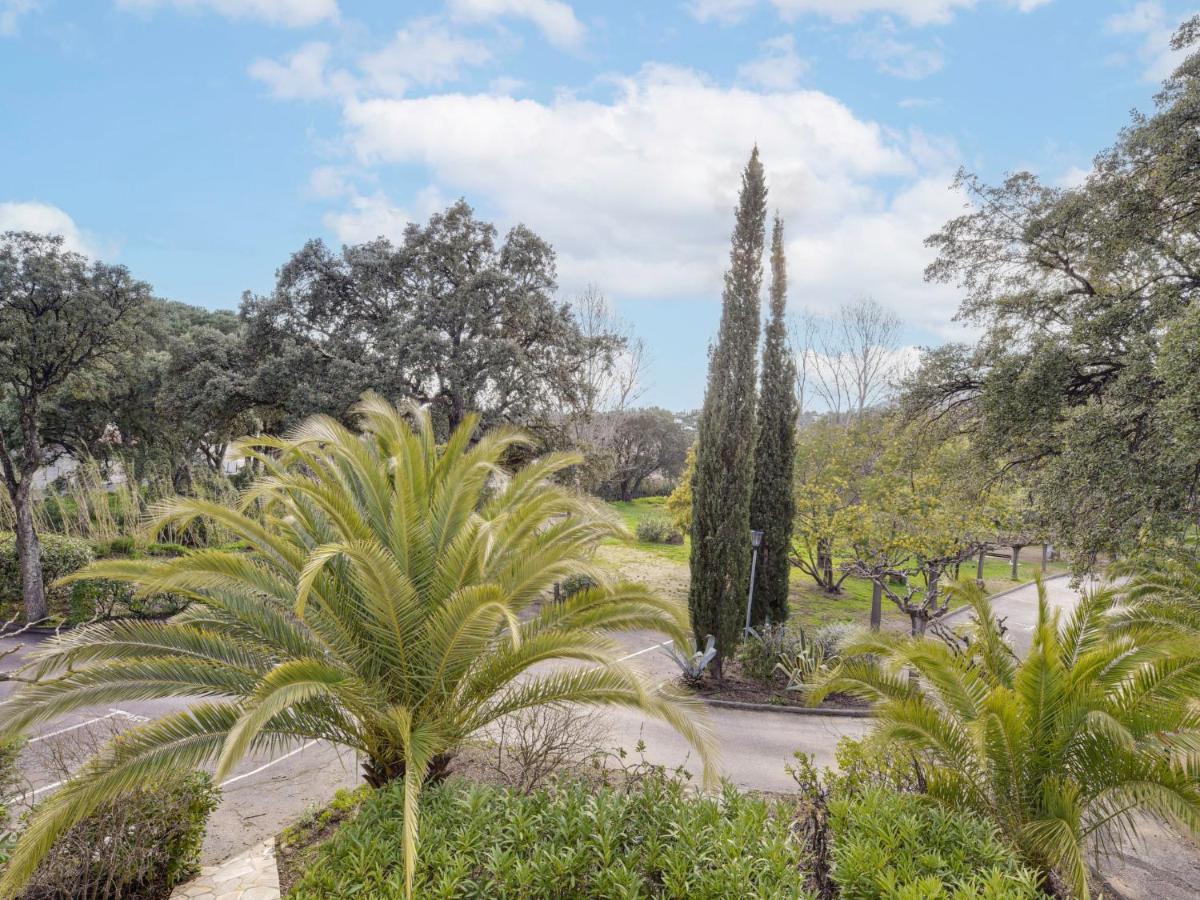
60, 556
763, 648
135, 847
658, 530
653, 838
10, 777
893, 846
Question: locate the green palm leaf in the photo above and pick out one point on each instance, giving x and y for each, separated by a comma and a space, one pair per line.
387, 601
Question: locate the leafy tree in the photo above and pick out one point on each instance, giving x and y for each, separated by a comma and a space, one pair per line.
63, 319
772, 505
724, 472
924, 510
1062, 750
1085, 377
641, 443
185, 395
832, 463
451, 317
679, 503
384, 604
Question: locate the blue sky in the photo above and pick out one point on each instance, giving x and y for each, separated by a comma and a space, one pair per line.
200, 142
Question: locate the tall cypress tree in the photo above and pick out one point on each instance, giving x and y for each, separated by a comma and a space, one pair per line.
772, 505
724, 471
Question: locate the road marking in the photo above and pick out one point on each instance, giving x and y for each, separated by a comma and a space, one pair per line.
278, 759
42, 737
643, 650
273, 762
111, 712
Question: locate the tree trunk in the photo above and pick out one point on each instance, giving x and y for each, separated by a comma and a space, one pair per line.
918, 624
378, 772
876, 605
1016, 560
1045, 557
29, 556
979, 569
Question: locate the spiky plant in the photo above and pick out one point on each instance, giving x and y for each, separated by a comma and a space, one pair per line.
1063, 750
1162, 589
387, 603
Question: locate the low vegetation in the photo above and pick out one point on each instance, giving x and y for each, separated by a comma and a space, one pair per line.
655, 838
1062, 750
388, 599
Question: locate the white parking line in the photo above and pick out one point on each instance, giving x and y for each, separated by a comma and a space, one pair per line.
278, 759
644, 650
264, 766
111, 712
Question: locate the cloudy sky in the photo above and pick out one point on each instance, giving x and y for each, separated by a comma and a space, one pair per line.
200, 142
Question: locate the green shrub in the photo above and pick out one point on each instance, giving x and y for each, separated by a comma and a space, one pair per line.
99, 598
889, 845
653, 839
135, 848
10, 777
123, 545
165, 549
60, 556
658, 530
573, 584
762, 650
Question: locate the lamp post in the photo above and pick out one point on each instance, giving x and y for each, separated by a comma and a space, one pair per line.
755, 542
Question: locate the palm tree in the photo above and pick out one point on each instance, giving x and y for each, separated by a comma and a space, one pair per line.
1162, 589
387, 603
1062, 750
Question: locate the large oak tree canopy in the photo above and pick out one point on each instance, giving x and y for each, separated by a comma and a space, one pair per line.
1083, 380
451, 316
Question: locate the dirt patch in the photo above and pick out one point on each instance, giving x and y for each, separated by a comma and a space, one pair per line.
739, 687
665, 577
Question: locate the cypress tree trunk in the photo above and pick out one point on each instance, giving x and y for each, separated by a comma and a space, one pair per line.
724, 473
772, 505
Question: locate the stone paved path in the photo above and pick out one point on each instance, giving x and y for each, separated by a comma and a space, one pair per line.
249, 876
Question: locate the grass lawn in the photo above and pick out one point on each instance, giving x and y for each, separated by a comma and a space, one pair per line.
633, 511
811, 607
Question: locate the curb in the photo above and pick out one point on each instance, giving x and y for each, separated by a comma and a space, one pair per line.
832, 712
993, 597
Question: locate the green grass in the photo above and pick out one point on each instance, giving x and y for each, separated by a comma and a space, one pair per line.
812, 607
633, 511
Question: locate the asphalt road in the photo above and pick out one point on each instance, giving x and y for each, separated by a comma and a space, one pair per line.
266, 793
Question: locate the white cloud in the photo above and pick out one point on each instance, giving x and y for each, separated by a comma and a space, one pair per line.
1073, 177
778, 68
302, 75
374, 215
1149, 21
11, 12
47, 219
636, 192
289, 13
726, 12
366, 218
554, 18
917, 12
424, 52
896, 57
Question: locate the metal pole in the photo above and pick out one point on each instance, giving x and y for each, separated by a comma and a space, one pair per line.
750, 599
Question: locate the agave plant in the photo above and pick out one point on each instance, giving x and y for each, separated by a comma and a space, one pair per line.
1063, 750
691, 665
387, 603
